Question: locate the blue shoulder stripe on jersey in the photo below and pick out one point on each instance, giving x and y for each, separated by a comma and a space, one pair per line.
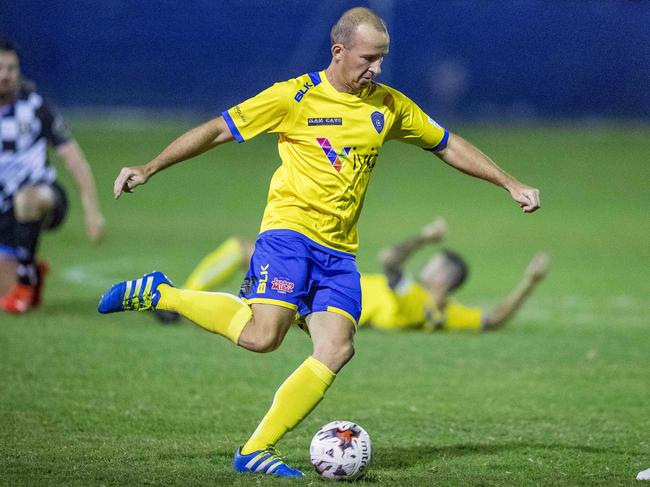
6, 250
442, 144
231, 125
9, 112
315, 78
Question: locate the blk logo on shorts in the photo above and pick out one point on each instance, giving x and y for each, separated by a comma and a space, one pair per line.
330, 153
264, 277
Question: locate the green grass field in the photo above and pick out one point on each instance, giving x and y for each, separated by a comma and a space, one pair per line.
559, 397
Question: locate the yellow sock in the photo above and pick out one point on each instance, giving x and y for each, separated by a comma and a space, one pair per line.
220, 313
216, 267
293, 401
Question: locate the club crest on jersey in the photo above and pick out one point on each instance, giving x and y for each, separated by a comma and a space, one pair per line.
377, 119
330, 153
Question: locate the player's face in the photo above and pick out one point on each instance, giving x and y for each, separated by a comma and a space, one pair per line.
434, 271
361, 59
439, 272
9, 72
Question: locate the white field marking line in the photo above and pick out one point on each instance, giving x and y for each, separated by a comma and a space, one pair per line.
93, 275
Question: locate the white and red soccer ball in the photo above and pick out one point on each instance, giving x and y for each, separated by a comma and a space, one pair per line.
341, 450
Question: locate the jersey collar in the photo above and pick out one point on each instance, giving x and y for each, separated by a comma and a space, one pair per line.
342, 95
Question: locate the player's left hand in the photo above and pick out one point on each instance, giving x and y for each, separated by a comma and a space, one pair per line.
434, 231
526, 196
538, 266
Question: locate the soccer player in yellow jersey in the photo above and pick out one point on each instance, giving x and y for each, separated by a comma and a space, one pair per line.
330, 125
393, 300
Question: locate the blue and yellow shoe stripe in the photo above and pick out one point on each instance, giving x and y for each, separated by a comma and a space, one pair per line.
266, 462
135, 295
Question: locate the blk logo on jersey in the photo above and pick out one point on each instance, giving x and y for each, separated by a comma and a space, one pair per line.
377, 119
303, 91
330, 153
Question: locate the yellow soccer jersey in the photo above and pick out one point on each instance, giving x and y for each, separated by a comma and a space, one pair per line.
410, 306
328, 143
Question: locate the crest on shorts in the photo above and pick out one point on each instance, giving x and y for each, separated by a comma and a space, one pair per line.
377, 119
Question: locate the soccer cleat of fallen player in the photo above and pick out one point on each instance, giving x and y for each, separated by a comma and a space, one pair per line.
266, 462
166, 317
136, 295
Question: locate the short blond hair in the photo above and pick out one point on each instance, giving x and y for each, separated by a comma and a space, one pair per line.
342, 31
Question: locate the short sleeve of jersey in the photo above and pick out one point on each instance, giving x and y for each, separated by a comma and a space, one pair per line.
413, 126
459, 317
265, 112
53, 127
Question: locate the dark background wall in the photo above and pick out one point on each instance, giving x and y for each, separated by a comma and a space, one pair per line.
458, 59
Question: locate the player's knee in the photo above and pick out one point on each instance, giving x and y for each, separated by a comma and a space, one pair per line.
261, 343
335, 354
266, 330
31, 204
261, 339
346, 352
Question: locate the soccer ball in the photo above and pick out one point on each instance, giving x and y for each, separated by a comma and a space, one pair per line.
340, 451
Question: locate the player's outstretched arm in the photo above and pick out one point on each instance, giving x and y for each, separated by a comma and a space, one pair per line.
535, 272
465, 157
393, 258
75, 162
192, 143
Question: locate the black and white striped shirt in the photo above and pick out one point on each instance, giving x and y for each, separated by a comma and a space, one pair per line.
26, 127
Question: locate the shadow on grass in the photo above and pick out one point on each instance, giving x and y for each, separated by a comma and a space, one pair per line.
405, 456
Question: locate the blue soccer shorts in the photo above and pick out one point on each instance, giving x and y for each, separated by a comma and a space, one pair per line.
290, 270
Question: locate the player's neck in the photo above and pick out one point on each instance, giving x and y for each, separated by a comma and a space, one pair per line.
438, 293
336, 80
8, 98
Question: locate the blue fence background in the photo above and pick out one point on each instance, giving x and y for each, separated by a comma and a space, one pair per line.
458, 59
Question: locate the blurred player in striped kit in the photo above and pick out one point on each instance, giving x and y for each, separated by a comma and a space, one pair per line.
31, 200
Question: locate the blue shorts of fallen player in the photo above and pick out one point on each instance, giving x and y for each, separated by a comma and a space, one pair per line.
290, 270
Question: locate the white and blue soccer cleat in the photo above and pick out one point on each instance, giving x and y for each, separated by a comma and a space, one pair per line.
265, 462
136, 295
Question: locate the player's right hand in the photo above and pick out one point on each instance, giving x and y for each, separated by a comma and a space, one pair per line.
434, 231
95, 224
128, 179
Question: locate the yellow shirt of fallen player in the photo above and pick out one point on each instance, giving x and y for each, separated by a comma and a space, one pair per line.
328, 143
410, 306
